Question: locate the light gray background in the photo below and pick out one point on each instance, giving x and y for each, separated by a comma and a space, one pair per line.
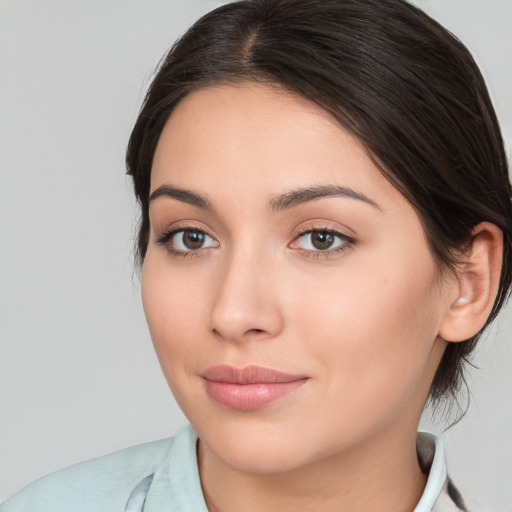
78, 377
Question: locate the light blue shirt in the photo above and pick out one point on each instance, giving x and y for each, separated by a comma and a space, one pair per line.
163, 476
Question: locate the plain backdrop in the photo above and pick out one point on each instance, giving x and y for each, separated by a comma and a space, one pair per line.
78, 376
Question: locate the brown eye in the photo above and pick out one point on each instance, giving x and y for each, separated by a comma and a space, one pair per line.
193, 239
186, 241
322, 240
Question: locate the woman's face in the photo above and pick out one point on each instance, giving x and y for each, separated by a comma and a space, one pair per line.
289, 290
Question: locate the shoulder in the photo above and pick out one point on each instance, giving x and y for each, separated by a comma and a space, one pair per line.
100, 484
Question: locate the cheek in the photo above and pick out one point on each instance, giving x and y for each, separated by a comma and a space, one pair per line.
372, 330
173, 307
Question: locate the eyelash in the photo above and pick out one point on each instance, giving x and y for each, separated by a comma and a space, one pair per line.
347, 242
167, 236
164, 239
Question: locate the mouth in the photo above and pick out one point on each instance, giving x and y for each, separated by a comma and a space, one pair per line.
248, 388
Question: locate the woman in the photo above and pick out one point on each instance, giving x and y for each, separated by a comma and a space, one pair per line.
326, 231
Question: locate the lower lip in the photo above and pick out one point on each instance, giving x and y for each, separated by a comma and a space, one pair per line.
247, 397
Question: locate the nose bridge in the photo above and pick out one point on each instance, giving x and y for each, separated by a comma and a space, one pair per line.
246, 302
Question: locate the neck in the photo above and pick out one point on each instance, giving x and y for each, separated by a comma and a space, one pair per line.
382, 474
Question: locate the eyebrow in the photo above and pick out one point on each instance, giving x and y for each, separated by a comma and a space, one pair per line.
279, 203
183, 195
300, 196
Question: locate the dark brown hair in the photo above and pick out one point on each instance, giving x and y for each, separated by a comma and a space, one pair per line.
389, 74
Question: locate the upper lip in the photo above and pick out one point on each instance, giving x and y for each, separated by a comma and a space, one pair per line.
248, 375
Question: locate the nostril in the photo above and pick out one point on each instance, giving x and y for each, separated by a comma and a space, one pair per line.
247, 334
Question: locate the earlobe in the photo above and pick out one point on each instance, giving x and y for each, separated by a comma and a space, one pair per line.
476, 285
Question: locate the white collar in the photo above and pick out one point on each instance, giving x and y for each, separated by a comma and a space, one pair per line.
182, 464
432, 459
437, 496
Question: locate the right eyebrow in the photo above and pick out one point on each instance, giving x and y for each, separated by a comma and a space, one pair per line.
184, 195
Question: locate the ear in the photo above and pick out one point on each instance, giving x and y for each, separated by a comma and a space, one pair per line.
475, 289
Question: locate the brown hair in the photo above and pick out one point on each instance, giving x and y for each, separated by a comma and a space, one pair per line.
389, 74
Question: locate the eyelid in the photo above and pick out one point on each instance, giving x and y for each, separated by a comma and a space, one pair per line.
168, 234
348, 241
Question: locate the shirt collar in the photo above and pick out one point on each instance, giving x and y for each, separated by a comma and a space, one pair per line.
432, 460
440, 495
177, 482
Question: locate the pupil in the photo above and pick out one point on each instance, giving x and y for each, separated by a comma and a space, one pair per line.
193, 239
322, 239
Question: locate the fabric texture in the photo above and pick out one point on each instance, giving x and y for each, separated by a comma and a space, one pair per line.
162, 476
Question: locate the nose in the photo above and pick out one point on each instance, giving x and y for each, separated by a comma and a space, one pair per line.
246, 301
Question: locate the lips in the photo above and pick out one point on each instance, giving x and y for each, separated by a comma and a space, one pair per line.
249, 388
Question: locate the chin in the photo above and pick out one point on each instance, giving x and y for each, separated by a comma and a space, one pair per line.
255, 450
260, 460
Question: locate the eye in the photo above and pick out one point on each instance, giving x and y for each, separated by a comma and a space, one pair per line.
184, 241
318, 241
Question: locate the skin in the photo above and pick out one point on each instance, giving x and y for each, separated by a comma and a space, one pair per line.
361, 323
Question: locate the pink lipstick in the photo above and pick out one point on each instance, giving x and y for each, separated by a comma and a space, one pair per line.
248, 388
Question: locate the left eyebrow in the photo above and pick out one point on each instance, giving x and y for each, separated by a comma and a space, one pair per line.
301, 196
183, 195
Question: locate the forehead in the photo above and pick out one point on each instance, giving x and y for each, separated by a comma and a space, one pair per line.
252, 139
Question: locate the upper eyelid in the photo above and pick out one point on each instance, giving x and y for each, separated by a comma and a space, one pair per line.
176, 227
321, 229
169, 233
312, 227
299, 232
334, 232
